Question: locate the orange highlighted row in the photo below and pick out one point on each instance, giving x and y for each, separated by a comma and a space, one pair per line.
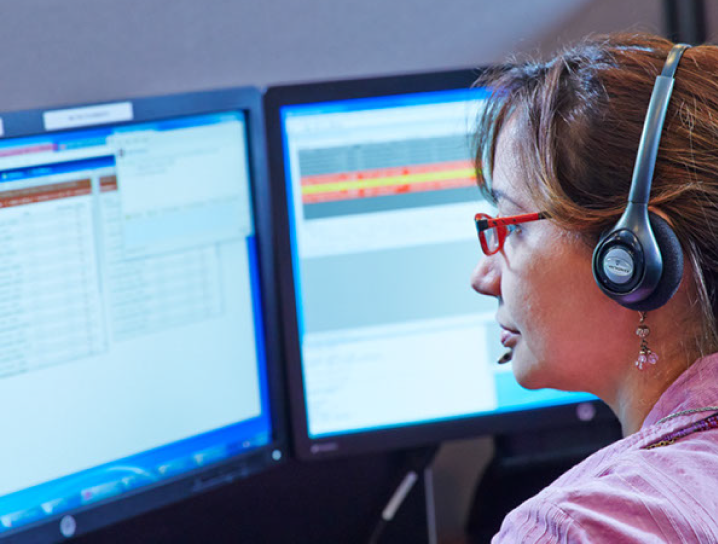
44, 193
108, 183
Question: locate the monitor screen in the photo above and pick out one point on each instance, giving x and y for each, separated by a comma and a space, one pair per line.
389, 346
136, 364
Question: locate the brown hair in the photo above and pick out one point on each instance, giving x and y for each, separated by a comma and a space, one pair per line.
580, 117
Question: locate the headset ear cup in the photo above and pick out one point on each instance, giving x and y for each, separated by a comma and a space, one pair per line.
672, 255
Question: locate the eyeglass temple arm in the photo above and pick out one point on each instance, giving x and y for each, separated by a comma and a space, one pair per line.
484, 224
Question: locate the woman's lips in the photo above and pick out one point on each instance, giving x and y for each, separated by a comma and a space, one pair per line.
509, 338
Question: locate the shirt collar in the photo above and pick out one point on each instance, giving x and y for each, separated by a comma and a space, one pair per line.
696, 388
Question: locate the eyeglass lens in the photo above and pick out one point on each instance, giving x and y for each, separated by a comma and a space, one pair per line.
491, 235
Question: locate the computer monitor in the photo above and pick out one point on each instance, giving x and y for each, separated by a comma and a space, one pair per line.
138, 330
388, 346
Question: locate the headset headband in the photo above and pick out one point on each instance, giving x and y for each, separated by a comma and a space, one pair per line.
653, 127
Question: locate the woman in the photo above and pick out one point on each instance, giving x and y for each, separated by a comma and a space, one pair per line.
559, 140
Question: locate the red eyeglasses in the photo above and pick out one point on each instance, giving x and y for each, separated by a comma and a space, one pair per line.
493, 232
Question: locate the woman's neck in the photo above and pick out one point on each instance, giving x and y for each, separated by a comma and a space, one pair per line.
640, 390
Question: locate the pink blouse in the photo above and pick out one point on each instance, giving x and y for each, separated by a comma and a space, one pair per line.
632, 492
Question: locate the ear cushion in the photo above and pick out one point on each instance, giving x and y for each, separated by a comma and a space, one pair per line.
672, 274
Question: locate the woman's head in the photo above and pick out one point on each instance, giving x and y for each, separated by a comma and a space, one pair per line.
575, 124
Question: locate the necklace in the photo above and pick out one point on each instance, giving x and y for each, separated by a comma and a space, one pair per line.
711, 422
693, 411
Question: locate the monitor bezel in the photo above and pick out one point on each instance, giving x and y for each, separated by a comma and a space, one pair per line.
247, 100
405, 436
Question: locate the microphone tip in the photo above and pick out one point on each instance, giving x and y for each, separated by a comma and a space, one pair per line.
506, 357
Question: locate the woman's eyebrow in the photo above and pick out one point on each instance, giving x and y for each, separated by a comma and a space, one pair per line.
498, 195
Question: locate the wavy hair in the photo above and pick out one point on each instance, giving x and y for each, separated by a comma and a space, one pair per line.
580, 117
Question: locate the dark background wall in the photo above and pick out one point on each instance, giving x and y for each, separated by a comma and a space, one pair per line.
67, 51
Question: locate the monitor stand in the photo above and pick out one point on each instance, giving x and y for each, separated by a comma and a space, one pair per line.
408, 514
524, 463
415, 523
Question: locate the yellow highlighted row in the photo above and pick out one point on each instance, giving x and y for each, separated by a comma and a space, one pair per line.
426, 177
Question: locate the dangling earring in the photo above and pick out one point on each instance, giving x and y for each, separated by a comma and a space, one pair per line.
645, 355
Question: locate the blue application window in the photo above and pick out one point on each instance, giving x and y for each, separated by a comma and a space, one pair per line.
129, 310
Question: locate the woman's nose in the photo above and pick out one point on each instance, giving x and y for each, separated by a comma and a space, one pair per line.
486, 277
